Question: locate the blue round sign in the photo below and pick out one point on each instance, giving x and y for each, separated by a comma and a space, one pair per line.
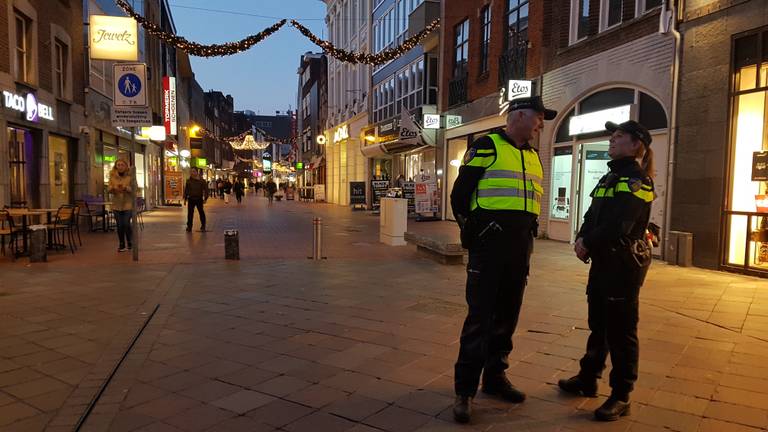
129, 85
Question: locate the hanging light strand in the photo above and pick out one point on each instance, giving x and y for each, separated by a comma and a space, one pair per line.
194, 48
366, 58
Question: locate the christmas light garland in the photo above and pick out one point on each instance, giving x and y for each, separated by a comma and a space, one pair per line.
366, 58
194, 48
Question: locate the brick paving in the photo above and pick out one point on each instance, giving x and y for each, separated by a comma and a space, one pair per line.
362, 341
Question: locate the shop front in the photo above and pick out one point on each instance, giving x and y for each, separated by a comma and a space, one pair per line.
345, 163
745, 219
37, 148
573, 147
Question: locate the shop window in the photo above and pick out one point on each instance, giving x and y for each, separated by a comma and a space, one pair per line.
563, 134
562, 165
19, 140
652, 114
647, 5
607, 99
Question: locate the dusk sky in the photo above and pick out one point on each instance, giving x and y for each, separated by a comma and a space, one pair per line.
262, 79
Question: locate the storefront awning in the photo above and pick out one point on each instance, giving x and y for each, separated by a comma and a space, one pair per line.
389, 148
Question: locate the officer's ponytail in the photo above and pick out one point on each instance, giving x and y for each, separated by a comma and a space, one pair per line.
647, 163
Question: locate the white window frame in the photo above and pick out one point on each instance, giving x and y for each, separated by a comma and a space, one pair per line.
642, 9
573, 37
60, 59
604, 6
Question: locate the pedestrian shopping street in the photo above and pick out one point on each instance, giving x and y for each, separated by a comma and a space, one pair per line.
362, 341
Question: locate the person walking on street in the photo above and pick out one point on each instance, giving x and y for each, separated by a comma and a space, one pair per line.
120, 186
497, 200
239, 189
195, 195
270, 189
220, 188
613, 236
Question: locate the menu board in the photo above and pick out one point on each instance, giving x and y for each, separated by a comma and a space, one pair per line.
759, 166
379, 189
409, 193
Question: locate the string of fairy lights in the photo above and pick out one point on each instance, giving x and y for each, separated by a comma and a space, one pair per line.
229, 48
246, 140
195, 48
367, 58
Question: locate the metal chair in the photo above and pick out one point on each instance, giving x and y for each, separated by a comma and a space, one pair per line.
8, 230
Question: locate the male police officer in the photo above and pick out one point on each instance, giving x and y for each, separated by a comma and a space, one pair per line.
496, 200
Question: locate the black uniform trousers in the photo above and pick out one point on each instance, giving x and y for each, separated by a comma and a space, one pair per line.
612, 293
497, 273
191, 205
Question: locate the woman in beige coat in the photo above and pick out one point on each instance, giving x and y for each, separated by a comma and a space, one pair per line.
120, 186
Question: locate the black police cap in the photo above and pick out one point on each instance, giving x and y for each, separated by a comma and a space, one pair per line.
535, 103
633, 128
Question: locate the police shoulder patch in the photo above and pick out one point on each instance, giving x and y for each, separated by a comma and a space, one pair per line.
470, 154
635, 184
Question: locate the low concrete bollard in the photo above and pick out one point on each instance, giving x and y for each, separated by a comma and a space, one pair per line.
38, 243
231, 245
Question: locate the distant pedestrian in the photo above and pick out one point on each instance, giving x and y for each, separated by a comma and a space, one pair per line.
195, 195
120, 186
227, 190
220, 188
239, 189
271, 188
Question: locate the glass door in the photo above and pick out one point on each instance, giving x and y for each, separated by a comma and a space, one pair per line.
593, 160
58, 157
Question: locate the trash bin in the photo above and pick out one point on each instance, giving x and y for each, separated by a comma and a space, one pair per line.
393, 221
680, 249
231, 245
38, 243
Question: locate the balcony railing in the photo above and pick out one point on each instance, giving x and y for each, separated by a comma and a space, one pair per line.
513, 62
457, 90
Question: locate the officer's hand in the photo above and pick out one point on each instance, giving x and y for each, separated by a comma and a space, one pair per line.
581, 251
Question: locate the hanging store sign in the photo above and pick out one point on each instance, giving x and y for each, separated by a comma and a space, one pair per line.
28, 105
595, 121
519, 89
169, 105
113, 38
431, 121
154, 133
130, 79
341, 134
452, 121
266, 163
321, 139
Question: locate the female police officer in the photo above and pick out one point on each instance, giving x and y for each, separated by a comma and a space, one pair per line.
613, 236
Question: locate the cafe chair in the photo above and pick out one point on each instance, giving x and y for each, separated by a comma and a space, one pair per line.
8, 230
141, 207
64, 226
90, 215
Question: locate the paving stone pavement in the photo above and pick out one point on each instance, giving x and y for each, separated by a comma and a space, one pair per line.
362, 341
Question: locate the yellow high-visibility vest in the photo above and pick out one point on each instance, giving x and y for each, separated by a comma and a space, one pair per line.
512, 181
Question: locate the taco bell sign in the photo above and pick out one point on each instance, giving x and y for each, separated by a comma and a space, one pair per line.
28, 105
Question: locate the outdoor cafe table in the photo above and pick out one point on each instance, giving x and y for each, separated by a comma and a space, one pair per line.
24, 214
103, 205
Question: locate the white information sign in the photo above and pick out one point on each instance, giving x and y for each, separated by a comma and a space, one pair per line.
131, 117
130, 85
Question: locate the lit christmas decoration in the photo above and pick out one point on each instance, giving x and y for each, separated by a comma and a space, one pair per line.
248, 143
366, 58
194, 48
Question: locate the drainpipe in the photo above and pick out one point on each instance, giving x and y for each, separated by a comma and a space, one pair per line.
673, 120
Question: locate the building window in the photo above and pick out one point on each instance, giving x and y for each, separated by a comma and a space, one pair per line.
462, 48
60, 61
23, 47
485, 19
579, 20
402, 19
610, 13
646, 5
517, 22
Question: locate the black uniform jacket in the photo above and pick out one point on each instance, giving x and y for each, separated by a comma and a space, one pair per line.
466, 183
612, 222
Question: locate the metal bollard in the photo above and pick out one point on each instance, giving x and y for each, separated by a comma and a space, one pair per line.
317, 238
38, 244
231, 245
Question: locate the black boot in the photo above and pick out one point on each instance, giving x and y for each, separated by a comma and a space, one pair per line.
612, 409
462, 409
501, 387
579, 386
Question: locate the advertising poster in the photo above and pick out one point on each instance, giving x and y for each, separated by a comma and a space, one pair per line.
409, 193
174, 189
379, 189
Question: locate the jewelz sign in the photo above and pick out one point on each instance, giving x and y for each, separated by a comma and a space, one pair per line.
169, 105
113, 38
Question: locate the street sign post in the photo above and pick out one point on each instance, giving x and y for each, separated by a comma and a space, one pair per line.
130, 85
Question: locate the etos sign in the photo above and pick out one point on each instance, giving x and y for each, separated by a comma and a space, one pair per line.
29, 105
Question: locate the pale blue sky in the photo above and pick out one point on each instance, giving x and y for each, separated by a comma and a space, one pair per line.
262, 79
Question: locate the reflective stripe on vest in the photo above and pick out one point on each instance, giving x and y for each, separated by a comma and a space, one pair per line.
645, 192
512, 182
